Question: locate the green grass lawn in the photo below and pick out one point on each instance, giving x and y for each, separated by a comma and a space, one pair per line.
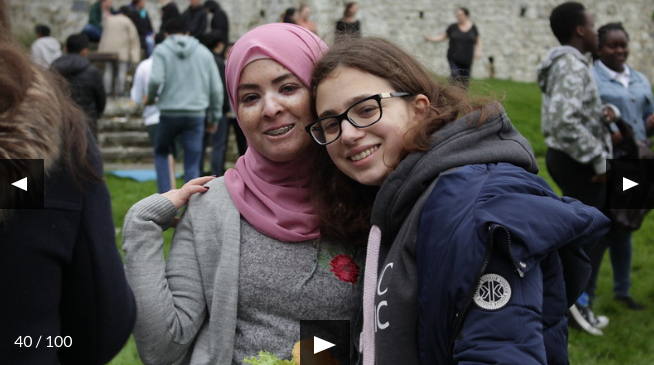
627, 339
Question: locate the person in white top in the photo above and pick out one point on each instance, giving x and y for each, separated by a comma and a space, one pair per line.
138, 94
45, 49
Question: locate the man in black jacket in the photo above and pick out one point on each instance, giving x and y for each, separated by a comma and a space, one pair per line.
141, 19
195, 18
84, 79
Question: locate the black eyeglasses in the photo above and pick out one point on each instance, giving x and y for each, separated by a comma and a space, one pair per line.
361, 114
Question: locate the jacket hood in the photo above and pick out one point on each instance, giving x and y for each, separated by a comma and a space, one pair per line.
182, 45
543, 69
50, 44
71, 64
462, 142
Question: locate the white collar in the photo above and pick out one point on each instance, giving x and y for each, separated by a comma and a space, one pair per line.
621, 77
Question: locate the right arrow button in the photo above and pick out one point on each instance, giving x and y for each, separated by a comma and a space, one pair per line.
628, 184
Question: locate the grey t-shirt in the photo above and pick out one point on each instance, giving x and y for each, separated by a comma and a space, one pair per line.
282, 283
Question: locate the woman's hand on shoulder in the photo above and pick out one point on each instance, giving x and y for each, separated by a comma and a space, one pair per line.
179, 197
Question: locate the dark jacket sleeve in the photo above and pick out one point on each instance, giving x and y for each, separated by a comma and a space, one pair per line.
99, 93
97, 308
196, 21
202, 24
220, 21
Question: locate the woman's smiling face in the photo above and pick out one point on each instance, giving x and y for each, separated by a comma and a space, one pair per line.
273, 108
614, 50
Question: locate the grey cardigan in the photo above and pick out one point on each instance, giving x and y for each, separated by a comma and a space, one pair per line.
201, 272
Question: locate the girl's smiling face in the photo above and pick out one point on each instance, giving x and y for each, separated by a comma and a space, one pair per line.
367, 155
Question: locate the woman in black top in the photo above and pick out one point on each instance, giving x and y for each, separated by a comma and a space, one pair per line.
465, 42
349, 25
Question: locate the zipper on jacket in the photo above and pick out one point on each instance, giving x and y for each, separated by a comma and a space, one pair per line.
518, 270
466, 306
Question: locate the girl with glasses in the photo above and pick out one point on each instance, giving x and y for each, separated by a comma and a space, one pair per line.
247, 262
472, 258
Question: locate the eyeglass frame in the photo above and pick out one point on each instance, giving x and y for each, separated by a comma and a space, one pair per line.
344, 116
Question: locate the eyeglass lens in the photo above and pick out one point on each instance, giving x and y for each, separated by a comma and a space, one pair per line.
361, 114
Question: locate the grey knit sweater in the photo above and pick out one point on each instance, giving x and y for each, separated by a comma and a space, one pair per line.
188, 306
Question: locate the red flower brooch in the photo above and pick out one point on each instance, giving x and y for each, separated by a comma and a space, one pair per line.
345, 268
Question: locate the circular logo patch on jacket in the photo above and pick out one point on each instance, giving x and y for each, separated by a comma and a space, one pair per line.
494, 292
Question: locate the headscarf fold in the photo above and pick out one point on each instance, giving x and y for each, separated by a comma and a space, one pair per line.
273, 196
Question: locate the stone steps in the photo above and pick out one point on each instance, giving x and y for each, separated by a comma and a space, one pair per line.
123, 139
121, 133
127, 154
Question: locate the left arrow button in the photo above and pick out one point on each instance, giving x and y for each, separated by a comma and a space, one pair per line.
21, 184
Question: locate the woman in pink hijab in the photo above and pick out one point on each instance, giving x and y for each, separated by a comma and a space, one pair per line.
246, 263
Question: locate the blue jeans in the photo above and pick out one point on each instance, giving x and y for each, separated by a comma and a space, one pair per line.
191, 129
621, 252
618, 241
92, 32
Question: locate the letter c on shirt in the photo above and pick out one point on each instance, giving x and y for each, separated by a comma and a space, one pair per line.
379, 325
381, 277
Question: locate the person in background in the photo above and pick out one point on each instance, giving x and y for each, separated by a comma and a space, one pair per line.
169, 10
84, 79
217, 137
578, 141
45, 48
119, 37
195, 18
249, 241
139, 93
219, 19
289, 16
99, 11
464, 47
61, 275
455, 272
349, 25
303, 18
141, 20
241, 141
631, 92
184, 84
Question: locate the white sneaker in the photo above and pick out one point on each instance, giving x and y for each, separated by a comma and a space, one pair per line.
584, 318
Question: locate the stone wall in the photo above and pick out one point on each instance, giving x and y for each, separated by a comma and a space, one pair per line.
515, 34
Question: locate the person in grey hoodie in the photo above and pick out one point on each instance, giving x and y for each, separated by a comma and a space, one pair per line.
578, 140
190, 84
45, 48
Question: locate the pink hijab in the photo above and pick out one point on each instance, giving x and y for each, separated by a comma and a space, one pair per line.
273, 196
